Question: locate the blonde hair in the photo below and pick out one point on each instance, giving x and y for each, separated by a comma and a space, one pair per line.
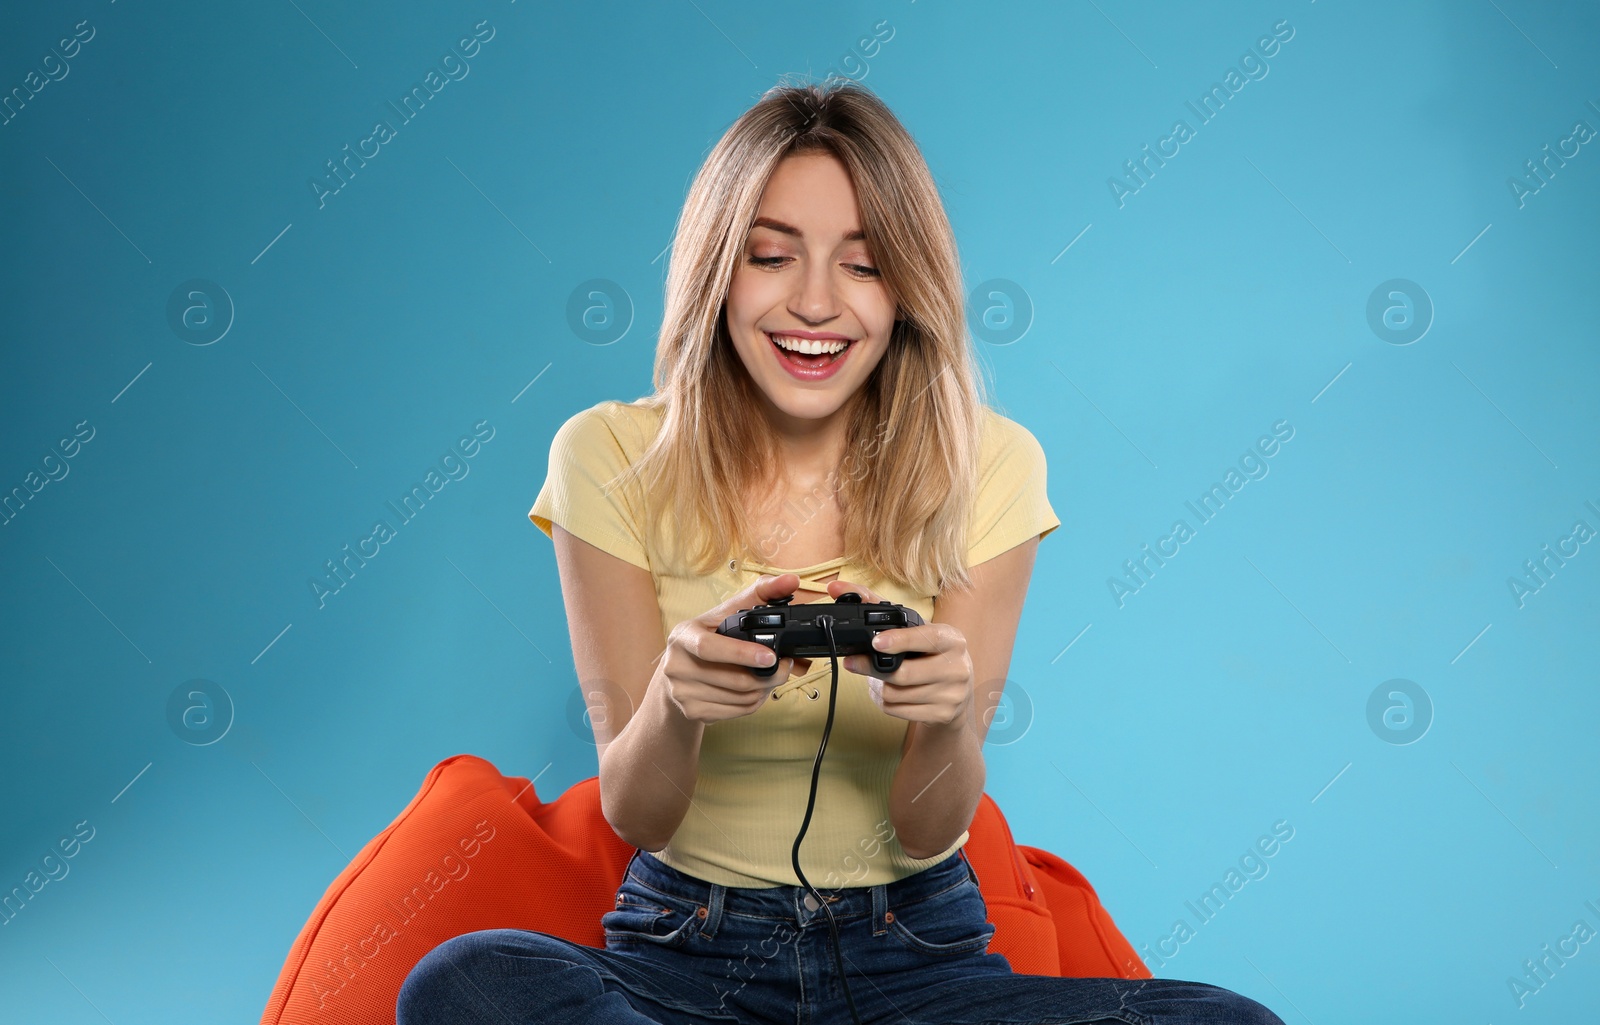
909, 473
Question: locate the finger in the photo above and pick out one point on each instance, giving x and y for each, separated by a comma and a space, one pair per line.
927, 639
910, 692
710, 647
769, 587
739, 684
765, 588
910, 674
838, 587
727, 686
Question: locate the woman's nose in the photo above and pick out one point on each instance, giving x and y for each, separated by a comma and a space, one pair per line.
814, 300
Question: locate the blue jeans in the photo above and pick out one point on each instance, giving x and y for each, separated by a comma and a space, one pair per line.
680, 950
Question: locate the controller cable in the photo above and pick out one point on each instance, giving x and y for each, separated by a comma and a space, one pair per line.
826, 622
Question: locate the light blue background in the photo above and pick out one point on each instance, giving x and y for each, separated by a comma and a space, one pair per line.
429, 292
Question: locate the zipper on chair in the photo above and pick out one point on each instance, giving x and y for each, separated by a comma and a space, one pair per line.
1022, 875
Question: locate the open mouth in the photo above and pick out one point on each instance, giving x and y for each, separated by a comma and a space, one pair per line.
807, 354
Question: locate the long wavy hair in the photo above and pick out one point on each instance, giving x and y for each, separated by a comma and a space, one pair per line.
907, 480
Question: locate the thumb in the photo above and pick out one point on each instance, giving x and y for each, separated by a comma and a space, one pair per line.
768, 587
765, 588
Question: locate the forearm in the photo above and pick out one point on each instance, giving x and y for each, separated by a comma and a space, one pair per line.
937, 787
647, 774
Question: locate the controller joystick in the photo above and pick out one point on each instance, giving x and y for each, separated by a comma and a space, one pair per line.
797, 630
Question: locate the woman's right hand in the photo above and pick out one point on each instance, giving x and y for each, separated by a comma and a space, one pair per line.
707, 675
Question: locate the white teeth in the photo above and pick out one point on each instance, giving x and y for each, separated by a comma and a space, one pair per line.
809, 346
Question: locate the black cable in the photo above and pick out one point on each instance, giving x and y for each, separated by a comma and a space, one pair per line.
826, 622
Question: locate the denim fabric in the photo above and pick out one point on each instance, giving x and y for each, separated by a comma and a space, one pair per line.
681, 950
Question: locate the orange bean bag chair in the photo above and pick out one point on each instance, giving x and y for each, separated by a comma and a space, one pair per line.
478, 850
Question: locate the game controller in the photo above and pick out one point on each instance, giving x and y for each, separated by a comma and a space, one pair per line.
791, 630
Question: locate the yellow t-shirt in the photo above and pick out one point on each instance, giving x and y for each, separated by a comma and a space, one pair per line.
755, 770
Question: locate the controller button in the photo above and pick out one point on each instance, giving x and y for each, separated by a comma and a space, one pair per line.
763, 638
769, 619
875, 618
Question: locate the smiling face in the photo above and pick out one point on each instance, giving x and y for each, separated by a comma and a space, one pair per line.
807, 281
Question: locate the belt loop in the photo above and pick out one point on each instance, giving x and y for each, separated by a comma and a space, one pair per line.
880, 905
971, 872
713, 910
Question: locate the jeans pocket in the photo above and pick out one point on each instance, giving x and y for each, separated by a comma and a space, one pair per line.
644, 917
946, 924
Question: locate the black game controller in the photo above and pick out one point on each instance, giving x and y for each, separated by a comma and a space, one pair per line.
798, 629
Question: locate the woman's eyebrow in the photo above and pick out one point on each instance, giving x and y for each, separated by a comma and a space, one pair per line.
856, 235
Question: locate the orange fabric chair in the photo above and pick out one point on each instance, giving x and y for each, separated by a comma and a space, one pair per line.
478, 850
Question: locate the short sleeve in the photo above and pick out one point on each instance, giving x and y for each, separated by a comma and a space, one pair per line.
1012, 505
585, 454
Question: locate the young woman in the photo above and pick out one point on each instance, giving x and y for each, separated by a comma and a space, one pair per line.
818, 426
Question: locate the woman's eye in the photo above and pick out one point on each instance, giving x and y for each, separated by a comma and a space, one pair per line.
772, 261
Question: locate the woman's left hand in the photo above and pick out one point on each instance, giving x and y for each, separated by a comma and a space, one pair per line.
936, 688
